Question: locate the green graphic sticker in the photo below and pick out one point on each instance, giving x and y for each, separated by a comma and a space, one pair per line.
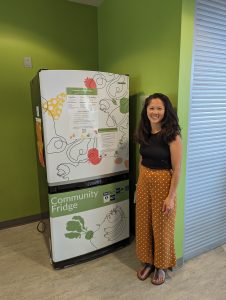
77, 228
124, 105
111, 227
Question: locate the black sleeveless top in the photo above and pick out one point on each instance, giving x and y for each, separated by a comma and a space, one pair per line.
156, 155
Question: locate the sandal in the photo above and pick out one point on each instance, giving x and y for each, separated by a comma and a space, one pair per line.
158, 277
145, 272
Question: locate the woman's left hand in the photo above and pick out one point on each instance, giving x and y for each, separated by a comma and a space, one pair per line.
168, 205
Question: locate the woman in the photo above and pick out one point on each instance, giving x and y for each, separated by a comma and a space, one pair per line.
161, 152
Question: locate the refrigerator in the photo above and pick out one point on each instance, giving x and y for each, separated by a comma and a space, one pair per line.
81, 122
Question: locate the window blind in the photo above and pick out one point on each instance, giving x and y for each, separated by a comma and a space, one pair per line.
205, 199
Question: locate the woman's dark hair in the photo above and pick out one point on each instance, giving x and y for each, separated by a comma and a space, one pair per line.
169, 124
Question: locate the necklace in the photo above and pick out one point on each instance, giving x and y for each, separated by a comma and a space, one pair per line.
155, 131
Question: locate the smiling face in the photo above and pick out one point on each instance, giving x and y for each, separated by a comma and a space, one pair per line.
155, 111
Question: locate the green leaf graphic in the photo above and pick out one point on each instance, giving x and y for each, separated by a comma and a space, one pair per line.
124, 105
89, 235
73, 235
74, 226
81, 220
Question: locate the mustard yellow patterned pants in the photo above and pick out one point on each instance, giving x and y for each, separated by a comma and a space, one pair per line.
154, 230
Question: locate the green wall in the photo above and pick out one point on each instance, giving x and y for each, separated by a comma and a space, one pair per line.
57, 34
151, 40
142, 39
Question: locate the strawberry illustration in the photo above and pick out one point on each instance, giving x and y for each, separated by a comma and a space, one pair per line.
118, 160
90, 83
126, 163
93, 156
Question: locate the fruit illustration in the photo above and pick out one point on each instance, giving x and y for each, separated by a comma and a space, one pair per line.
93, 156
90, 83
54, 106
118, 160
117, 222
126, 163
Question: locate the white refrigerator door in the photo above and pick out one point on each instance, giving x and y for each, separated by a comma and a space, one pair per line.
86, 124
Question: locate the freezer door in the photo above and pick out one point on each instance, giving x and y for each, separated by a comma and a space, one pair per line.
87, 220
86, 124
